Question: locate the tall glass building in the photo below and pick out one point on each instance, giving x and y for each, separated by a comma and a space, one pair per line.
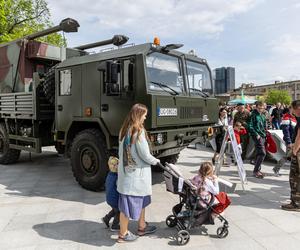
224, 79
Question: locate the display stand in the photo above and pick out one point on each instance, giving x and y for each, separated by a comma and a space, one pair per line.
237, 155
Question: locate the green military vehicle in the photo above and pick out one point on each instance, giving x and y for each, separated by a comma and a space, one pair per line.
77, 100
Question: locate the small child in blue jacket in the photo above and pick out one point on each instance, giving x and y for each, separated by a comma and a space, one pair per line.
112, 195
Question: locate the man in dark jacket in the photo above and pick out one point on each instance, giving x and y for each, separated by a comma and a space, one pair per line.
257, 130
276, 116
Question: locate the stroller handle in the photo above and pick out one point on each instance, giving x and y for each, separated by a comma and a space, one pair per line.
166, 168
161, 166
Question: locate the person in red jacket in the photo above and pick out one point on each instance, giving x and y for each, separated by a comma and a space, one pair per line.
238, 131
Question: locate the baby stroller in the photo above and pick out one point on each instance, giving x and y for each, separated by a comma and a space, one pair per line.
188, 213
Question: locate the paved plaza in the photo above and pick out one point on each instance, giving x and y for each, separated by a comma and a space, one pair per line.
42, 207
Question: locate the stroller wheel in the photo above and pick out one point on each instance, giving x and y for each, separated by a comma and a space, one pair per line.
183, 237
171, 221
222, 232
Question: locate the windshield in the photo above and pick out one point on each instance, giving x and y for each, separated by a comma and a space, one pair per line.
164, 70
199, 79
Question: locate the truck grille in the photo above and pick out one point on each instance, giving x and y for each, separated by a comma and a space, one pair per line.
191, 112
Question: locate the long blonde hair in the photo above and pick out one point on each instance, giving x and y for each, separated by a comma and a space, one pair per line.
206, 169
132, 123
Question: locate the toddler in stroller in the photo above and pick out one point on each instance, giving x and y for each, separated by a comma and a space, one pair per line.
198, 203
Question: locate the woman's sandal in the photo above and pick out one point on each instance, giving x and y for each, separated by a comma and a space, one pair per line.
147, 230
128, 237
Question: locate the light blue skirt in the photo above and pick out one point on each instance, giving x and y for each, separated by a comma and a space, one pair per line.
132, 206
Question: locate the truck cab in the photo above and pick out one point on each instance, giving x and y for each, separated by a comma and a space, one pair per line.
95, 92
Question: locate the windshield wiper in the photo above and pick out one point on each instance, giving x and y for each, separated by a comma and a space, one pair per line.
200, 91
162, 86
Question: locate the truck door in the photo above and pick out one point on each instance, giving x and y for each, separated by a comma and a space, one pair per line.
68, 104
117, 92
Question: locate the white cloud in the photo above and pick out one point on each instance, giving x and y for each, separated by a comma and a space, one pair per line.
297, 5
167, 18
182, 21
287, 45
280, 62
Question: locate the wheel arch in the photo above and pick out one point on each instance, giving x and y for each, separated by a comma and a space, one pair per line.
79, 125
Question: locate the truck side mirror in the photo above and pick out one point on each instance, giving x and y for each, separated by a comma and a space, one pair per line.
111, 69
112, 85
112, 72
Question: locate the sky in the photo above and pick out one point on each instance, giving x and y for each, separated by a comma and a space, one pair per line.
259, 38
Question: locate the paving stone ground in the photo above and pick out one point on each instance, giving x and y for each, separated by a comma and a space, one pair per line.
42, 207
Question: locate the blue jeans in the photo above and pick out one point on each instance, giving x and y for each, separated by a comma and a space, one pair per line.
276, 124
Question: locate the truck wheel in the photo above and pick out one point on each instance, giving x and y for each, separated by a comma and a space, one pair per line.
7, 155
89, 159
49, 86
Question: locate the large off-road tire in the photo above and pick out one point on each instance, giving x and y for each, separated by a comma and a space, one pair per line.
89, 159
7, 155
49, 86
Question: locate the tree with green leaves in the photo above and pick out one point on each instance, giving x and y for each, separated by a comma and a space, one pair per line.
275, 96
19, 18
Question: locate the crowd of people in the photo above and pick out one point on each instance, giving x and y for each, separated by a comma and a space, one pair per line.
252, 122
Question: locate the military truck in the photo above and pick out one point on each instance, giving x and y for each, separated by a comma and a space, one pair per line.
77, 100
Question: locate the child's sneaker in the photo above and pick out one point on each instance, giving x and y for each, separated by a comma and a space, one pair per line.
105, 220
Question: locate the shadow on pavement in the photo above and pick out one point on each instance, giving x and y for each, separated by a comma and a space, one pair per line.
81, 231
46, 175
95, 234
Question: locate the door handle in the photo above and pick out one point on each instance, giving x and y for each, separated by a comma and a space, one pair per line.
60, 107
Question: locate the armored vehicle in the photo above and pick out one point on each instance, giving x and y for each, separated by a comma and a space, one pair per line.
77, 100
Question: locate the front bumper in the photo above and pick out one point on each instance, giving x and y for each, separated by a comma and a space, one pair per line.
175, 140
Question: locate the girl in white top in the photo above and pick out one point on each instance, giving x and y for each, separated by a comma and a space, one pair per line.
206, 182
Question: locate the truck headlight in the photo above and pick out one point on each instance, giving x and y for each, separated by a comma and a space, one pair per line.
160, 138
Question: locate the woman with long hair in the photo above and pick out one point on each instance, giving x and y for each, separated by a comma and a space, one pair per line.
223, 122
134, 174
